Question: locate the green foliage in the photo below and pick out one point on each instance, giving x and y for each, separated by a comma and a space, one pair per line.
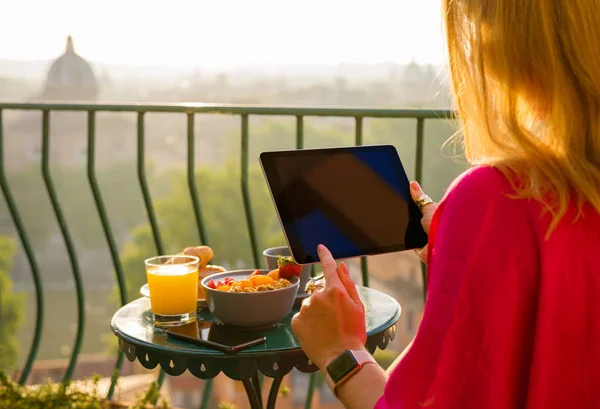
11, 308
151, 395
122, 200
284, 391
223, 213
139, 248
66, 396
74, 193
279, 135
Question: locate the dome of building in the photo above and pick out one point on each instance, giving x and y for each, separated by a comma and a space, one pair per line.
70, 77
413, 73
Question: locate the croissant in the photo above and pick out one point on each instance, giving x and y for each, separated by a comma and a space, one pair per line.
204, 253
204, 272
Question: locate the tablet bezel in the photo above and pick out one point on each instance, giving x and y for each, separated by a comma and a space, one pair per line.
267, 162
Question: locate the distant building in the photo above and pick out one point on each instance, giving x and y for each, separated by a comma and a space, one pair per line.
422, 87
70, 78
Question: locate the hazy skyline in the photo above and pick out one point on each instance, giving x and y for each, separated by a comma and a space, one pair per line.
222, 34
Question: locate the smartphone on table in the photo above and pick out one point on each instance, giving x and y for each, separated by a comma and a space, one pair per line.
211, 335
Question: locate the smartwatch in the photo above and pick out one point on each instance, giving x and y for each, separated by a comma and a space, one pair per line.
348, 363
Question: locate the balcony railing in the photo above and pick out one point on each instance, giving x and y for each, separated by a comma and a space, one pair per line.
189, 111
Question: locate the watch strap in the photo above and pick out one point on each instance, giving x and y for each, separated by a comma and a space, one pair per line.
363, 357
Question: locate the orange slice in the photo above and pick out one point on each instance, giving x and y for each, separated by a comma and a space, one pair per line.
246, 283
260, 280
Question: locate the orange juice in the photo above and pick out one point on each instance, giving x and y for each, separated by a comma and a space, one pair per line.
173, 288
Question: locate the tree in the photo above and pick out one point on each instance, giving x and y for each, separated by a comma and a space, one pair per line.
224, 216
122, 200
11, 307
74, 194
139, 248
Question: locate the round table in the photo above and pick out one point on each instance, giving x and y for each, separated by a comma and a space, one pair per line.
275, 358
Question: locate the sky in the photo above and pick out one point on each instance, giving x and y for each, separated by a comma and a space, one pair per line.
224, 33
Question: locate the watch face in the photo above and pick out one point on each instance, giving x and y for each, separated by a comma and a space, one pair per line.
342, 366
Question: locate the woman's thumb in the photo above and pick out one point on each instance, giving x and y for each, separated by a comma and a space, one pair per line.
415, 190
348, 283
428, 208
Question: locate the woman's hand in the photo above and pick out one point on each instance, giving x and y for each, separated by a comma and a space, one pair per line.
332, 319
416, 192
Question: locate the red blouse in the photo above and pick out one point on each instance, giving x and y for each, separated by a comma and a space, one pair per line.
512, 320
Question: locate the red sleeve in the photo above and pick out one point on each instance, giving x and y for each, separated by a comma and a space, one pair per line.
471, 349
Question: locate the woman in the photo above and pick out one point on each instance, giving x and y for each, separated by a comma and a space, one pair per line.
512, 317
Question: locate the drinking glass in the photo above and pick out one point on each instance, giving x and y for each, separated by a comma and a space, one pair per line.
173, 287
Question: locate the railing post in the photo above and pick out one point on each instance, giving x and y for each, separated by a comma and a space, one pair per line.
191, 176
419, 178
141, 168
35, 272
312, 377
246, 193
62, 224
110, 241
312, 382
358, 141
208, 385
299, 132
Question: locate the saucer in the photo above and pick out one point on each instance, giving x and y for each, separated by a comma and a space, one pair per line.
145, 291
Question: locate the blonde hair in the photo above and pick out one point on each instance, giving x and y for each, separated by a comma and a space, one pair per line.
526, 76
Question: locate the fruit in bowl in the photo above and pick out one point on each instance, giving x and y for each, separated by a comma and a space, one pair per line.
250, 298
253, 283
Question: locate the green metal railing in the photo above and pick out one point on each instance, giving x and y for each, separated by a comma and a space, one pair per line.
189, 110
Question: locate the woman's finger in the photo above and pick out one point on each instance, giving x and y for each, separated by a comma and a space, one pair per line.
329, 265
345, 278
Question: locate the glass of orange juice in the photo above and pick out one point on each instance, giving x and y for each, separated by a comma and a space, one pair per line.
173, 286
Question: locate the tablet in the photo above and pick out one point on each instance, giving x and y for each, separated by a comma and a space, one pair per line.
354, 200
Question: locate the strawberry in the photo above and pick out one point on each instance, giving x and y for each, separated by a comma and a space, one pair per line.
220, 284
288, 268
211, 284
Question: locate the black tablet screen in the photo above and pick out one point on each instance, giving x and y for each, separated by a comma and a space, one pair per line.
354, 200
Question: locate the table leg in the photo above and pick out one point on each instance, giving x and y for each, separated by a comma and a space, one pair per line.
257, 387
274, 392
253, 394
